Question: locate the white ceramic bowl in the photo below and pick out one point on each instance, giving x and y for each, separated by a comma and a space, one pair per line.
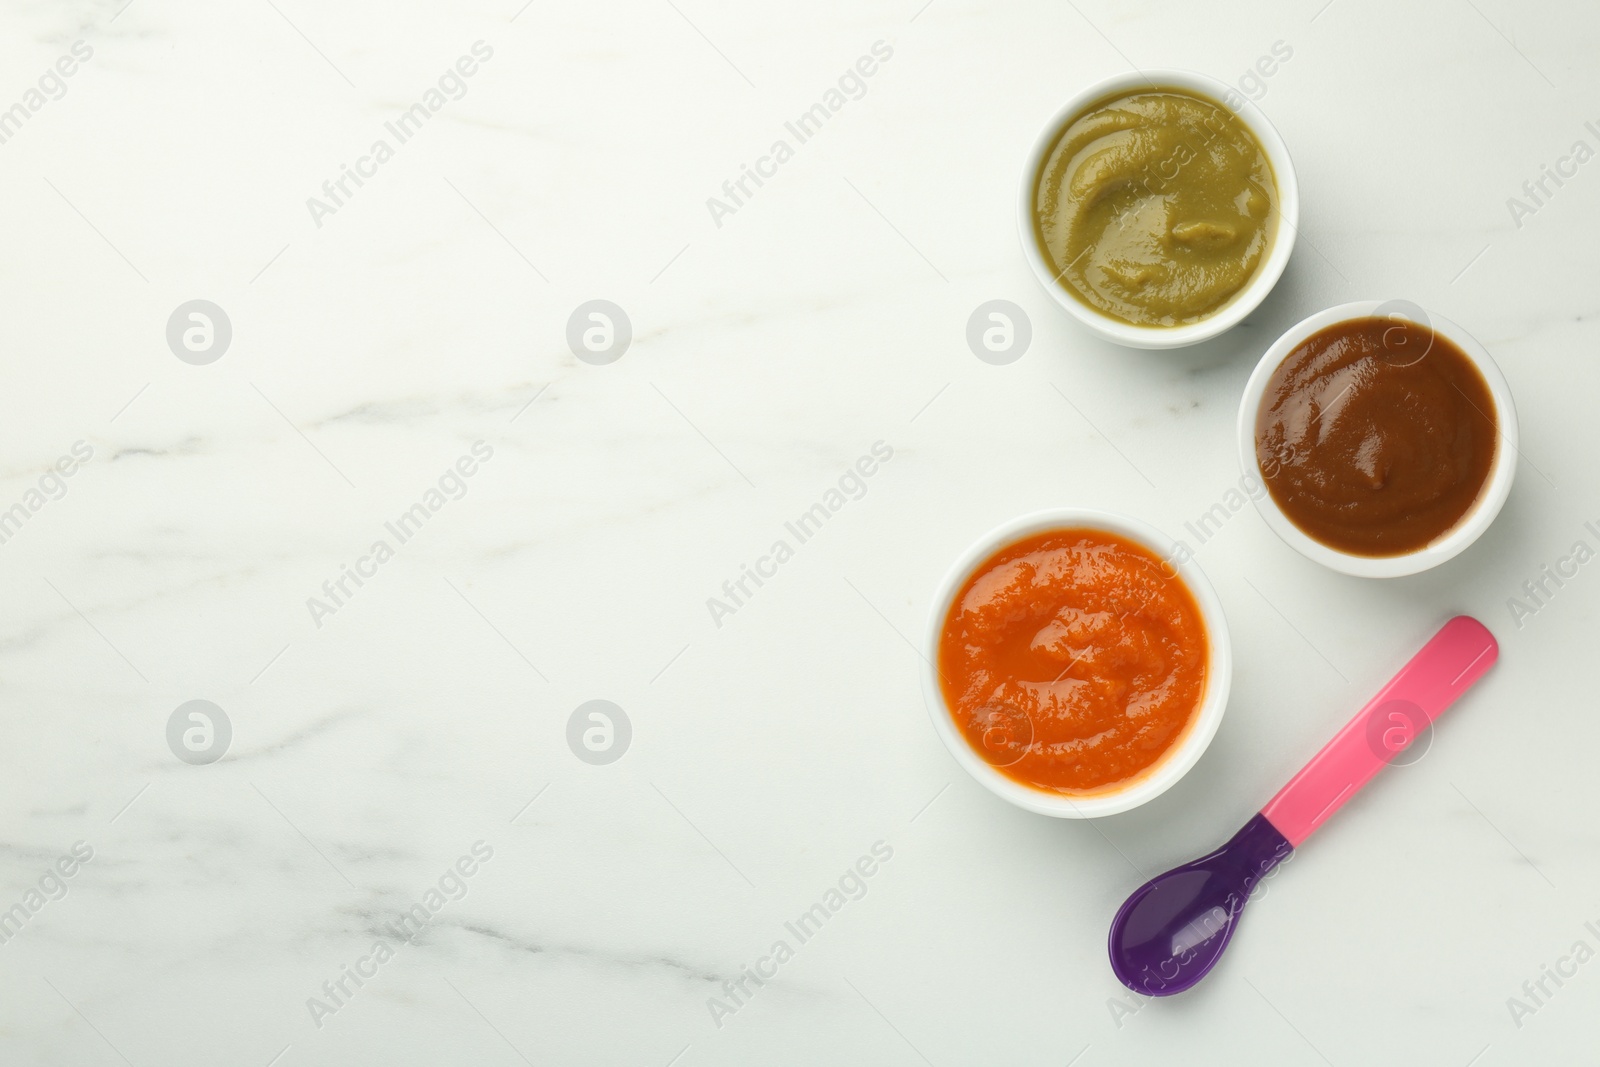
1177, 760
1471, 525
1243, 302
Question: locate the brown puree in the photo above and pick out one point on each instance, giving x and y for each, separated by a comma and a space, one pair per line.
1375, 436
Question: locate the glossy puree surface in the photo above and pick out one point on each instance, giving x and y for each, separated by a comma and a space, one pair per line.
1156, 207
1376, 435
1072, 660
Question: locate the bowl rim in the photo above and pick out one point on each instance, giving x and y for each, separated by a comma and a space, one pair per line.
1178, 759
1467, 529
1247, 299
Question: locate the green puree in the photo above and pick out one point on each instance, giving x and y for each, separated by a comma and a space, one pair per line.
1156, 207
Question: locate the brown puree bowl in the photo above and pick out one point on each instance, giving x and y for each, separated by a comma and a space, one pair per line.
1496, 487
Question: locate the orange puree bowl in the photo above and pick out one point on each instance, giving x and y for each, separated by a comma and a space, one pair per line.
1077, 662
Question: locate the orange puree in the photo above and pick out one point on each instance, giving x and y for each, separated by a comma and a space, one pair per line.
1073, 660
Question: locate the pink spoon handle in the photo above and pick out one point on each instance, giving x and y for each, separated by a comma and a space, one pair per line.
1457, 656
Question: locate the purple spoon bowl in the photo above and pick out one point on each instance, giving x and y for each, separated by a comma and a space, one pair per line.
1172, 930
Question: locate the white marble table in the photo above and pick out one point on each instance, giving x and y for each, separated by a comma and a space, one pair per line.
399, 858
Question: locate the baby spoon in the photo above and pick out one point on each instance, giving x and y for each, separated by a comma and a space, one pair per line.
1171, 932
